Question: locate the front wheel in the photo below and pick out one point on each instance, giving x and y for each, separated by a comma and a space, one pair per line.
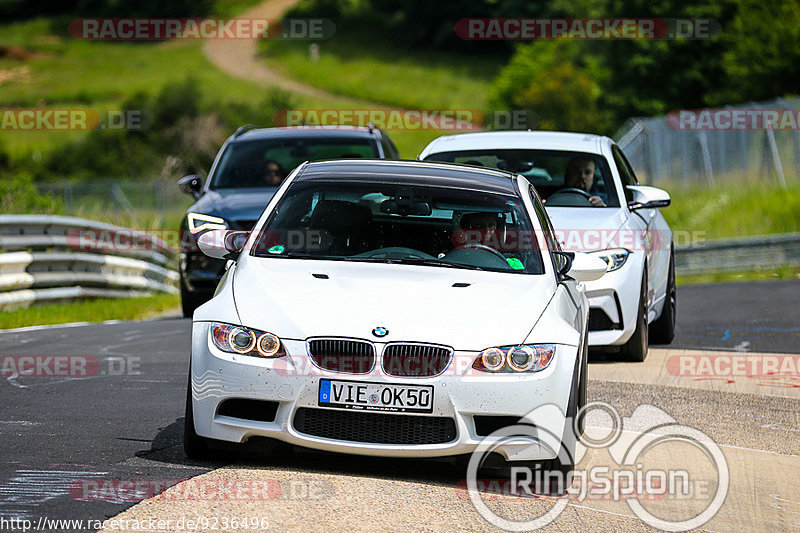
194, 446
636, 348
662, 330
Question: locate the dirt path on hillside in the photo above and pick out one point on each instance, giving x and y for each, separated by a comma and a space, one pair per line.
239, 57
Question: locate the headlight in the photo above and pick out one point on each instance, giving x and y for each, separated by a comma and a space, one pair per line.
245, 341
199, 222
521, 358
614, 258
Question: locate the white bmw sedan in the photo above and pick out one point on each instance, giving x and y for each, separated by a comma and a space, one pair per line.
597, 205
390, 308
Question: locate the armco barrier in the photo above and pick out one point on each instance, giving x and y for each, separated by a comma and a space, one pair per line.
48, 269
740, 254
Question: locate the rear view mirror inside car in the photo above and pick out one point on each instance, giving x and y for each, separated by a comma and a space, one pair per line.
406, 207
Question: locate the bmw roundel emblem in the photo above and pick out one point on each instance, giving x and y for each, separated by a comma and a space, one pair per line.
380, 331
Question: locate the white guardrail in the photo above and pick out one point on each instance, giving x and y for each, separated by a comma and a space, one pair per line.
47, 258
739, 254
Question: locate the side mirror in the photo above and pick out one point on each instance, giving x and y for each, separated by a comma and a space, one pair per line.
580, 266
222, 243
192, 185
645, 197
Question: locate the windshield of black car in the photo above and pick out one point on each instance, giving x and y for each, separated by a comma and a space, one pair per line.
548, 171
398, 223
266, 162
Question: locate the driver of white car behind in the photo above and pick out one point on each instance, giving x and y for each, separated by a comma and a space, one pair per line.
580, 175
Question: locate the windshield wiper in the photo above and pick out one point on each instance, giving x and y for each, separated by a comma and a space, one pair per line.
412, 261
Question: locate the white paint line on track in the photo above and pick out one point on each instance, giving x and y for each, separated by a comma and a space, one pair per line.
57, 326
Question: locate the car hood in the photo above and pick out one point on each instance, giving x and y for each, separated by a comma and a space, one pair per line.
415, 303
235, 204
584, 228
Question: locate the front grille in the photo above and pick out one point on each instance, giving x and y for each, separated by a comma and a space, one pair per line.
374, 428
600, 321
416, 360
342, 355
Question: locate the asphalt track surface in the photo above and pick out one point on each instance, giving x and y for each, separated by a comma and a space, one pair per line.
60, 435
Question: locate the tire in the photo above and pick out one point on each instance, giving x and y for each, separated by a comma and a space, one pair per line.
190, 300
577, 401
194, 446
636, 348
662, 330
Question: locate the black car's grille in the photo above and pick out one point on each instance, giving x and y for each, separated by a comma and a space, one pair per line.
374, 428
600, 321
342, 355
417, 360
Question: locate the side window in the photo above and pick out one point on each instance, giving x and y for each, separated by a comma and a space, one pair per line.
625, 171
547, 227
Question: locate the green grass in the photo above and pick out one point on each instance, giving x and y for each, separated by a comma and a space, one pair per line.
724, 277
375, 72
737, 209
96, 310
68, 73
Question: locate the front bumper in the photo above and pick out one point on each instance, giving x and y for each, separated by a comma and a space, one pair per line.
614, 298
292, 382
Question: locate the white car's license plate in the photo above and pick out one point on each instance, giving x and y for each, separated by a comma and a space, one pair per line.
375, 396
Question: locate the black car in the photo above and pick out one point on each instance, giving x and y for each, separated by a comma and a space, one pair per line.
245, 175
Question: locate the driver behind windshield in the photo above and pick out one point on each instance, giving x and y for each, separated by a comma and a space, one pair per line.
580, 175
483, 225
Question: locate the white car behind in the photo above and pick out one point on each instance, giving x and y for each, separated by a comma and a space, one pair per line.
635, 302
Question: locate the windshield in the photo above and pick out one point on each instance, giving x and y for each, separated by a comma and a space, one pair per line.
266, 162
563, 179
396, 223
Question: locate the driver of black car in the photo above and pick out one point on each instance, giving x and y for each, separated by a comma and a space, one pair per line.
580, 175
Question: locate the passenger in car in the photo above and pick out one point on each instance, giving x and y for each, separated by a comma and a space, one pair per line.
580, 175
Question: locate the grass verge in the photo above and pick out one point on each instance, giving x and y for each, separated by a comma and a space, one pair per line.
430, 80
94, 310
736, 209
724, 277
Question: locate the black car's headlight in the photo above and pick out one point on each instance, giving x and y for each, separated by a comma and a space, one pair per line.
520, 358
199, 222
246, 341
